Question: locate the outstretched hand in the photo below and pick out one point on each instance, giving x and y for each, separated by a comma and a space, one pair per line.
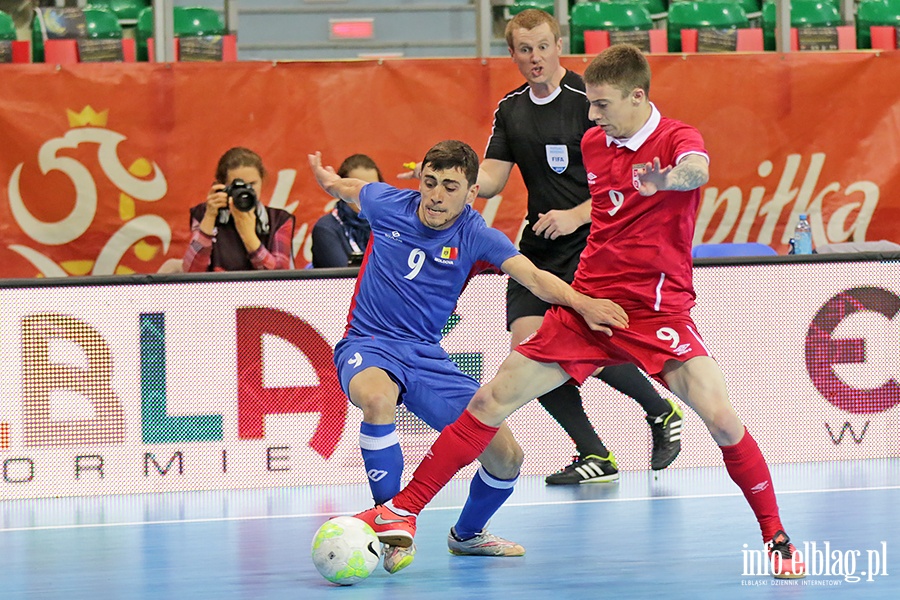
653, 177
415, 171
603, 315
324, 175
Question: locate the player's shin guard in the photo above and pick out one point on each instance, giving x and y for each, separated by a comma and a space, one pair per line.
486, 495
383, 459
460, 443
748, 469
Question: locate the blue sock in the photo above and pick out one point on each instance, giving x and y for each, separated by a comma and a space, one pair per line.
486, 495
383, 459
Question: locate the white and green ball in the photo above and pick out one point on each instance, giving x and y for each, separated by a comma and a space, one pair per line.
345, 550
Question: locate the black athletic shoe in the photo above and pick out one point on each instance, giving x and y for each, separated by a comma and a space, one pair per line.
589, 469
666, 431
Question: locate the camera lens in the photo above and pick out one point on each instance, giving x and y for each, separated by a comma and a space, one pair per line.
244, 200
242, 195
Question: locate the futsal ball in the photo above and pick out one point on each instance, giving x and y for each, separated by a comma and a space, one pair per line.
345, 550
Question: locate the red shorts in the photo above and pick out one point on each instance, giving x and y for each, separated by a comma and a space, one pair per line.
650, 340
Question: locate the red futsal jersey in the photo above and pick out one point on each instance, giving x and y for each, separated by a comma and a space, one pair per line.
638, 253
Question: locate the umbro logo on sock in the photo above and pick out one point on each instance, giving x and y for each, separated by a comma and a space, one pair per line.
760, 487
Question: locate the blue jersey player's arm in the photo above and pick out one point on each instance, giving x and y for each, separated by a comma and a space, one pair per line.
345, 188
599, 314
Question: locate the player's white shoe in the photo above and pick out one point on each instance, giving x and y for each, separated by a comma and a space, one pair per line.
397, 558
483, 544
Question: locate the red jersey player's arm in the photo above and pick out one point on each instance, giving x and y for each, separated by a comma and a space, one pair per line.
691, 172
599, 314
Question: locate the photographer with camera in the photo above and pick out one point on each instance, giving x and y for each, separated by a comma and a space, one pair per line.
233, 230
340, 237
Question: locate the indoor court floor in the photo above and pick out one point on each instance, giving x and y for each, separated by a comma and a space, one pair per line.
680, 533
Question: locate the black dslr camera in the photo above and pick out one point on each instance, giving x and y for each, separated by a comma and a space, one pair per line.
242, 195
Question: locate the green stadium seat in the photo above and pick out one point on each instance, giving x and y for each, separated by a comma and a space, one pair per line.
656, 8
143, 32
125, 10
7, 27
102, 23
882, 14
520, 5
614, 15
811, 15
68, 35
37, 39
718, 15
198, 21
12, 50
752, 7
190, 22
51, 23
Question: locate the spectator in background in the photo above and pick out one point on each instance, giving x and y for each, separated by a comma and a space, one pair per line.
339, 238
232, 230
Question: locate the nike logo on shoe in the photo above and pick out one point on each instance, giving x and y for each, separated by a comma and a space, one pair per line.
381, 521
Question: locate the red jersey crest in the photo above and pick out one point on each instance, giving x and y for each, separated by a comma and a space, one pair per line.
636, 172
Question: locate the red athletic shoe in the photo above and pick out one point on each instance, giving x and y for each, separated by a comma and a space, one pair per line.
781, 555
391, 528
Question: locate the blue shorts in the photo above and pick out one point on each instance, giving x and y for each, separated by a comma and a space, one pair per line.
431, 385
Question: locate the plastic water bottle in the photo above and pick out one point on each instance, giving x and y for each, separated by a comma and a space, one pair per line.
802, 241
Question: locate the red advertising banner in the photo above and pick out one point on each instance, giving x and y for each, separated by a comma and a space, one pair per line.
100, 163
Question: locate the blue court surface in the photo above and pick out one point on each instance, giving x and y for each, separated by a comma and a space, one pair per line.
680, 533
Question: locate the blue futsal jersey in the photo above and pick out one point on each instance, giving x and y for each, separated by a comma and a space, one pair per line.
412, 275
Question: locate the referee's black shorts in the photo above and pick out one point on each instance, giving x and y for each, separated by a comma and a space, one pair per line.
522, 303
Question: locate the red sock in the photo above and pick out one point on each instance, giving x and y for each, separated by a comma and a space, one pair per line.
460, 443
748, 469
